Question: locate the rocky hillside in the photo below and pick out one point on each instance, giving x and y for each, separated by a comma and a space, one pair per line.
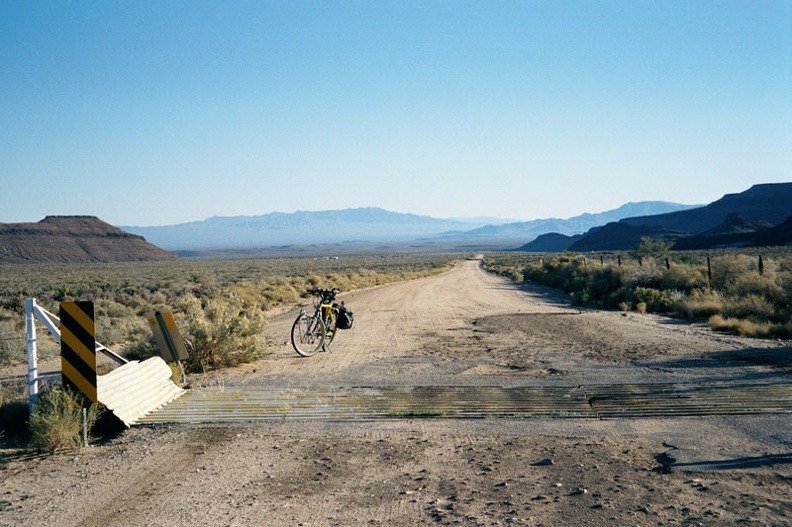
74, 239
760, 216
769, 202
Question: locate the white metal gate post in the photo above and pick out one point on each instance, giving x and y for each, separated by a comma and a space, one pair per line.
30, 322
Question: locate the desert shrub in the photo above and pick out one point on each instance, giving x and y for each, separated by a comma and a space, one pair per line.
580, 298
752, 307
752, 283
142, 346
57, 422
728, 268
567, 272
588, 283
655, 300
647, 275
749, 299
606, 287
699, 304
685, 278
221, 333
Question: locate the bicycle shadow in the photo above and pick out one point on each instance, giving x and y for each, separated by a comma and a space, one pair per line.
668, 463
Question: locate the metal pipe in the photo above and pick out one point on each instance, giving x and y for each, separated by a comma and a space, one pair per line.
30, 323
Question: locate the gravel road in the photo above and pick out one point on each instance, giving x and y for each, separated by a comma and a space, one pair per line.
462, 328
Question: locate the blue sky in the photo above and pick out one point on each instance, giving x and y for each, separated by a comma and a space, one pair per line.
161, 112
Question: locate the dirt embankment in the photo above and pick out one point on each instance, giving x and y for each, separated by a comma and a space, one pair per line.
462, 328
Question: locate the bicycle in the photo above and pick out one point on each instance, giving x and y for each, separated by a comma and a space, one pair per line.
313, 332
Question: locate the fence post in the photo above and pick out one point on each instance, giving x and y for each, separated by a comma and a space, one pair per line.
30, 323
709, 269
761, 265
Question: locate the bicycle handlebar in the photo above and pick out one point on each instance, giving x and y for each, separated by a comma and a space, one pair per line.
330, 293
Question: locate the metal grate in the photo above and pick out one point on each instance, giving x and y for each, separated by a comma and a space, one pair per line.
238, 404
669, 400
353, 403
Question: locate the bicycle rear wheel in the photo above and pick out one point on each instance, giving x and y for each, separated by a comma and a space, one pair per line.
307, 334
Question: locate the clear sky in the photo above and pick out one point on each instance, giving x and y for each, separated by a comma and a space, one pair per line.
160, 112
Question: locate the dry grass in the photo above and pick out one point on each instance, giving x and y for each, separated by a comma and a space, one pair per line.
749, 328
57, 420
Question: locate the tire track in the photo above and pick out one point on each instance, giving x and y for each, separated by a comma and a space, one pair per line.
123, 507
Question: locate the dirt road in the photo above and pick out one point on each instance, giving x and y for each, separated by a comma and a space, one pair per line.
464, 328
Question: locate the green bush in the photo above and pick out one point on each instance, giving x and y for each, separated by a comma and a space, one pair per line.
57, 421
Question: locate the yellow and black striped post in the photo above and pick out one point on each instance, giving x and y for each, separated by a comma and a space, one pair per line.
78, 347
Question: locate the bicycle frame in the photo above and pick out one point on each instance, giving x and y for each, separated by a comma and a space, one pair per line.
327, 314
324, 306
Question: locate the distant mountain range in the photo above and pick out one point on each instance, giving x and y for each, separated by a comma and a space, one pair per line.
348, 226
575, 225
370, 226
760, 216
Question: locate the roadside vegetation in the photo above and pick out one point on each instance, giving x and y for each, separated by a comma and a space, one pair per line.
216, 303
220, 306
743, 292
59, 422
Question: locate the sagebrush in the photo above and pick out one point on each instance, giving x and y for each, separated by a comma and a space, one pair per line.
742, 292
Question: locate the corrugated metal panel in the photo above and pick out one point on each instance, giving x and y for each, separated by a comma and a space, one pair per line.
137, 388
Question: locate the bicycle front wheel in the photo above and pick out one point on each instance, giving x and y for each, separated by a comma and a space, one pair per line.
330, 331
307, 334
